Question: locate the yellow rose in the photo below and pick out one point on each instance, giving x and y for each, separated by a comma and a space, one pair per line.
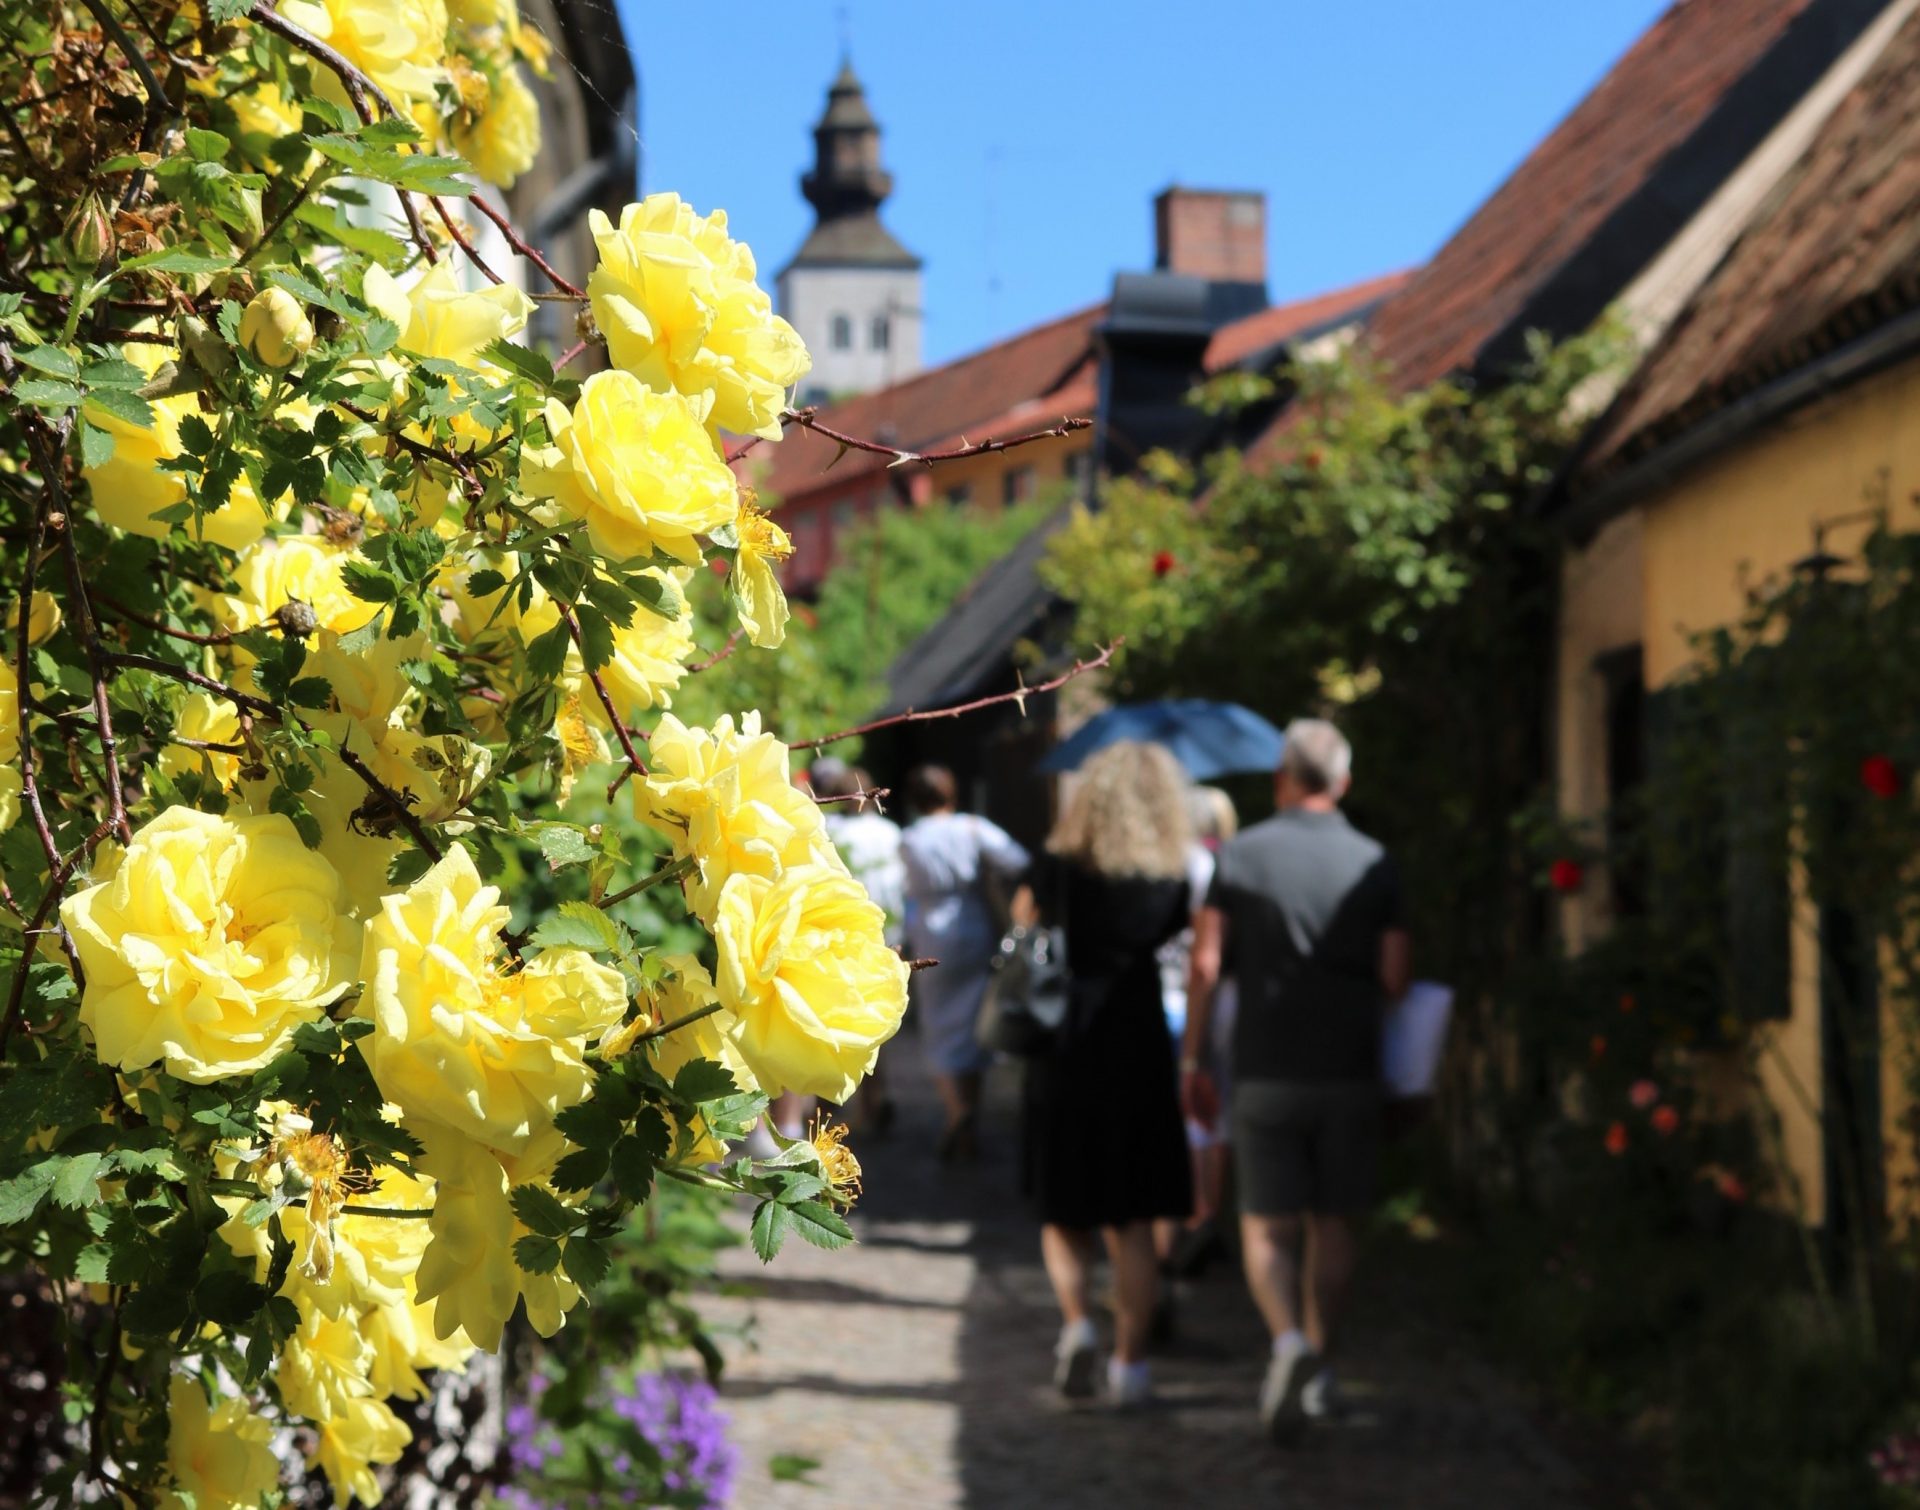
207, 942
438, 317
129, 487
324, 1365
755, 585
292, 569
675, 297
219, 1455
205, 719
43, 618
637, 467
650, 656
460, 1041
400, 44
726, 798
805, 970
275, 328
364, 1433
9, 712
468, 1271
504, 140
687, 989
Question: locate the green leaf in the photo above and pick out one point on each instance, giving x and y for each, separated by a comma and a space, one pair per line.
46, 393
632, 1164
49, 359
175, 259
113, 372
562, 844
581, 925
78, 1183
587, 1261
123, 405
769, 1230
21, 1196
531, 365
547, 654
819, 1224
790, 1467
206, 146
703, 1080
537, 1255
581, 1169
96, 445
229, 1297
540, 1211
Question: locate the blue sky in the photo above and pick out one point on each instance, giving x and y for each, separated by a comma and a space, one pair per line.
1026, 140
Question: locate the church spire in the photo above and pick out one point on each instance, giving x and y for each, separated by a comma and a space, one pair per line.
847, 178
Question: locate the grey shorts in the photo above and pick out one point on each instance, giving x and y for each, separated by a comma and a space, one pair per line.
1299, 1147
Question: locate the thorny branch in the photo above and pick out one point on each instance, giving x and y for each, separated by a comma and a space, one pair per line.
1018, 695
358, 87
260, 707
807, 419
635, 767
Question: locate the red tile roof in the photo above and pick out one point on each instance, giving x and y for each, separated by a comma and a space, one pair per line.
929, 406
1833, 251
1243, 338
1651, 101
1023, 383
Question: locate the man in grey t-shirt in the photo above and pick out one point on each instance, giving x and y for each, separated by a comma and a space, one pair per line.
1311, 910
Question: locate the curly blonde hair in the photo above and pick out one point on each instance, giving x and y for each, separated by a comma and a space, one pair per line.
1127, 814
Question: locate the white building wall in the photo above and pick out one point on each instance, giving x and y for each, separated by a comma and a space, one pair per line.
812, 298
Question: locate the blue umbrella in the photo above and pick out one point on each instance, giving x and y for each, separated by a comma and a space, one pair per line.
1209, 739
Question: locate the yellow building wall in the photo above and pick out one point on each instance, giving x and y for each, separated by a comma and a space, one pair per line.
1703, 542
1600, 611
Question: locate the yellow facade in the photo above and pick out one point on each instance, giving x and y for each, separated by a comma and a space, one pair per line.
1682, 561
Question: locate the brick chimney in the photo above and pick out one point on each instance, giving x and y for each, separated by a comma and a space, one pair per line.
1219, 234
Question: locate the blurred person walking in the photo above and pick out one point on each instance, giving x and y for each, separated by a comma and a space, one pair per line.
1187, 1247
1105, 1149
1312, 911
869, 841
956, 865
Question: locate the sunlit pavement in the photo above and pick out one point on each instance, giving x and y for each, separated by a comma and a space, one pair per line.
913, 1370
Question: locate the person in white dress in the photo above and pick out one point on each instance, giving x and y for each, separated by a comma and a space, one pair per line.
869, 841
952, 861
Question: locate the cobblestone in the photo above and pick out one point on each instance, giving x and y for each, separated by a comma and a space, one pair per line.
913, 1370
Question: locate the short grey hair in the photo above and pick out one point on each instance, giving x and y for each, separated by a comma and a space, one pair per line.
1317, 755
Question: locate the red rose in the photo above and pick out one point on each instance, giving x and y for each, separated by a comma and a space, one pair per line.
1566, 876
1880, 776
1732, 1187
1666, 1121
1163, 562
1643, 1093
1616, 1139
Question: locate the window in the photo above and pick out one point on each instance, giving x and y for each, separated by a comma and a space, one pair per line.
1017, 485
960, 494
842, 338
882, 333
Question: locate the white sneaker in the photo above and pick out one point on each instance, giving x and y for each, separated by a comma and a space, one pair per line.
1128, 1384
1076, 1359
1281, 1412
1319, 1396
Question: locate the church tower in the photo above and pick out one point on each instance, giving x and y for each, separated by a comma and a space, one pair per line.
852, 291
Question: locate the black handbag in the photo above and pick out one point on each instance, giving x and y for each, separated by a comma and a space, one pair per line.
1026, 997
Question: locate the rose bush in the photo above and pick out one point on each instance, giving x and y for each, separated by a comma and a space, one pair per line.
332, 592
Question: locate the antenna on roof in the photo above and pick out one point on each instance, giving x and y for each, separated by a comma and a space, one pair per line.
845, 29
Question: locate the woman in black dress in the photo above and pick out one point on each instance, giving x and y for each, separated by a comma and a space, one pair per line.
1105, 1145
